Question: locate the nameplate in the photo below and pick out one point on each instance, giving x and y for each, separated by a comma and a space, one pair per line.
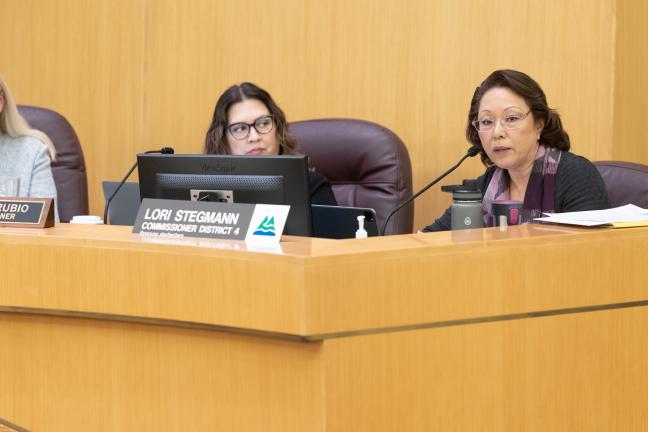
27, 212
260, 223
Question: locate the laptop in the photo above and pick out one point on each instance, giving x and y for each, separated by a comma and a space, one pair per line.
124, 207
341, 222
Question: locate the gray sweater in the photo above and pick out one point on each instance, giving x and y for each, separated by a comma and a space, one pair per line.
27, 158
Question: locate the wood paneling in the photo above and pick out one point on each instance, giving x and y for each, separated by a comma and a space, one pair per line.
631, 85
540, 374
572, 372
534, 328
80, 375
138, 75
320, 287
83, 59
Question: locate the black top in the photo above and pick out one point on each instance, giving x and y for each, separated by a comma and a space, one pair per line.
579, 187
320, 189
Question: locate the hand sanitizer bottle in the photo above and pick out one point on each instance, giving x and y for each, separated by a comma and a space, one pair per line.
361, 232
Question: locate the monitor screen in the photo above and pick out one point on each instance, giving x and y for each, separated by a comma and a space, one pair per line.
237, 179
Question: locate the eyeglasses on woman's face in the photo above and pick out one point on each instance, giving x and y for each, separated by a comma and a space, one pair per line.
241, 131
512, 120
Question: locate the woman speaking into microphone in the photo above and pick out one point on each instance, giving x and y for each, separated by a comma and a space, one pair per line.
526, 152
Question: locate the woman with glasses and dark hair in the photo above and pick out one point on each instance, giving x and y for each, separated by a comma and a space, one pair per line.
247, 121
526, 151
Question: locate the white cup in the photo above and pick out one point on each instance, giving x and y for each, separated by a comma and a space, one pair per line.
86, 219
9, 186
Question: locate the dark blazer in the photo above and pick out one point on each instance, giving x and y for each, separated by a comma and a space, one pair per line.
320, 189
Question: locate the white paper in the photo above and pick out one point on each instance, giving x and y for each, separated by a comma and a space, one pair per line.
626, 213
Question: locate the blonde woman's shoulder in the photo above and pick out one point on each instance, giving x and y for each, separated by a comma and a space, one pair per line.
21, 144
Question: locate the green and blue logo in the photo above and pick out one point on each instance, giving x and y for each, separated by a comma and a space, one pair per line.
266, 227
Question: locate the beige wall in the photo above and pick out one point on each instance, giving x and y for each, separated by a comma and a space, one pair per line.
631, 82
133, 75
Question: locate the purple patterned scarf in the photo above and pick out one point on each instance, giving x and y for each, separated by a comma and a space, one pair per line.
540, 192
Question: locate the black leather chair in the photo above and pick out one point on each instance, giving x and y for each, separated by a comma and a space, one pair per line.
626, 182
367, 164
69, 169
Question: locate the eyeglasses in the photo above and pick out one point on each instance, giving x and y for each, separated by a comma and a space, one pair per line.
262, 125
511, 121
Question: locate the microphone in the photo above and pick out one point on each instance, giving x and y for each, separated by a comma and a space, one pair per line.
163, 150
472, 151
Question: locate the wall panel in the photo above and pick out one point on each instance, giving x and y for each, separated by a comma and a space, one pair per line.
137, 75
631, 86
84, 59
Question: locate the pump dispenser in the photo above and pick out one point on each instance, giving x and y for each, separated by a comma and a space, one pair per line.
361, 232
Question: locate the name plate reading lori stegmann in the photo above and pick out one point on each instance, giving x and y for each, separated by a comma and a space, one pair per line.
249, 222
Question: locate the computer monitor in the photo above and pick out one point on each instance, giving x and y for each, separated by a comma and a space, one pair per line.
237, 179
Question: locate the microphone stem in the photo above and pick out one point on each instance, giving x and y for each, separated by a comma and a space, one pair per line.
164, 150
413, 197
115, 193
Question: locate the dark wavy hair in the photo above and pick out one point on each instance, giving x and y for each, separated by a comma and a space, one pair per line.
216, 141
552, 135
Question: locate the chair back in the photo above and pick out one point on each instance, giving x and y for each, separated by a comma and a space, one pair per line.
626, 182
367, 164
69, 168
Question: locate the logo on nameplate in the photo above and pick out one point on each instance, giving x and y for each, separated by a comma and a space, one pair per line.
27, 212
266, 228
267, 223
211, 219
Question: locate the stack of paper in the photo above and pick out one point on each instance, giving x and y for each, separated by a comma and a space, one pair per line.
619, 217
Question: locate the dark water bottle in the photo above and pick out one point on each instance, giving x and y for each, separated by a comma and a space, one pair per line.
466, 207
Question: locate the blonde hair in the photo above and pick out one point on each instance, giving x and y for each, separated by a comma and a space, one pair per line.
14, 125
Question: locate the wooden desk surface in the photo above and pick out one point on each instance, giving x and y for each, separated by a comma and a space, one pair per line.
528, 329
319, 288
